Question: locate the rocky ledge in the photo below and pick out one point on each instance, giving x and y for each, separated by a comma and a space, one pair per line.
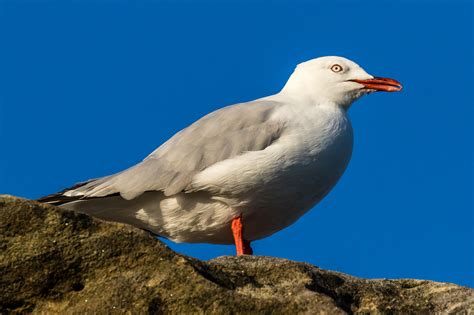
56, 261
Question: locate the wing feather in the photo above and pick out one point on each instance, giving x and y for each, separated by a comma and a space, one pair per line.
220, 135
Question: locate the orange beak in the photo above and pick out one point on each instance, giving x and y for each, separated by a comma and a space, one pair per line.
380, 84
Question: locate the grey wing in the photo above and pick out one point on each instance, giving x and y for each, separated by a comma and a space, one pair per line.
220, 135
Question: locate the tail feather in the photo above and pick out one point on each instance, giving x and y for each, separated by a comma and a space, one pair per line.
116, 209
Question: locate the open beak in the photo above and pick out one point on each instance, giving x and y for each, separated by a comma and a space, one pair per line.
380, 84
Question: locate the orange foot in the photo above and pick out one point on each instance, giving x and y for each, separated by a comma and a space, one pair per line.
242, 246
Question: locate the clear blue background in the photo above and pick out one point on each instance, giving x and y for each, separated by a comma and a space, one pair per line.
88, 88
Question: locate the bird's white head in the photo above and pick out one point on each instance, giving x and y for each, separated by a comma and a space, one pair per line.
335, 79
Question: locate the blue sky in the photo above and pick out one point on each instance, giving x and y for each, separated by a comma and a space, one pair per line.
88, 88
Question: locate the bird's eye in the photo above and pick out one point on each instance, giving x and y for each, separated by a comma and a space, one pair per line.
336, 68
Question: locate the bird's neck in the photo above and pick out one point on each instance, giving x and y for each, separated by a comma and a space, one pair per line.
309, 99
304, 89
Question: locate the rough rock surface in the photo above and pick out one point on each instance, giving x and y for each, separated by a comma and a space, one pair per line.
56, 261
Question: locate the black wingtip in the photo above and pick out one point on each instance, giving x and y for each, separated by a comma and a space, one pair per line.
59, 198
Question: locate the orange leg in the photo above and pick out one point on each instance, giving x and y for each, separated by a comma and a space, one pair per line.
242, 246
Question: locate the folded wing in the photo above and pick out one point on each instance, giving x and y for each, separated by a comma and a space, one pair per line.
220, 135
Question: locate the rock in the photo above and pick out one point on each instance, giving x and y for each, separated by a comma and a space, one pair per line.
57, 261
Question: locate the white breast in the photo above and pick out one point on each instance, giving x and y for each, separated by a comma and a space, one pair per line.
274, 187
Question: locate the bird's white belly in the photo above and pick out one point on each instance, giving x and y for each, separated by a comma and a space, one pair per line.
290, 193
272, 188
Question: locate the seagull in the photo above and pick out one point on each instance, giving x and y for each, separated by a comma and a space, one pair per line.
242, 172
